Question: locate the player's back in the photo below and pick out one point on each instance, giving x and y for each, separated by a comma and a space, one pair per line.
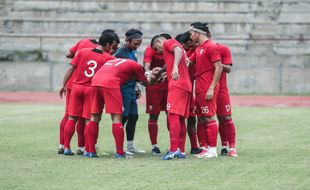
151, 56
116, 72
88, 61
84, 43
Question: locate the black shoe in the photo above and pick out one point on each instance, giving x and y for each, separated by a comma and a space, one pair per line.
224, 152
80, 152
195, 150
155, 151
60, 151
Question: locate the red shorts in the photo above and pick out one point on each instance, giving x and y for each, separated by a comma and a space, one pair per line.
223, 104
178, 101
192, 107
111, 97
67, 98
206, 108
79, 104
156, 101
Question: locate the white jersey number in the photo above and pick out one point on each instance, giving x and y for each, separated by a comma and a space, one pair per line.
116, 62
91, 69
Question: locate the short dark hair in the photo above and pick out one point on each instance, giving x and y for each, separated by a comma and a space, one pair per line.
165, 35
179, 38
201, 26
111, 31
106, 38
107, 31
133, 34
153, 39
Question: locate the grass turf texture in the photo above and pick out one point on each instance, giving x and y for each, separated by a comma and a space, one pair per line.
273, 148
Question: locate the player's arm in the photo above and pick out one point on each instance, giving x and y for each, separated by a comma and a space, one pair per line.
177, 58
216, 77
226, 68
67, 76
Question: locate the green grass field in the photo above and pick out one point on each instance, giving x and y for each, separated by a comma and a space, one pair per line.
273, 147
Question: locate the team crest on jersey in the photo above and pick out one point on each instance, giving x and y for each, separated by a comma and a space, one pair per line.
228, 107
201, 51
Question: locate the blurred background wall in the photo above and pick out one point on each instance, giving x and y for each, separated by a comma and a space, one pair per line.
269, 39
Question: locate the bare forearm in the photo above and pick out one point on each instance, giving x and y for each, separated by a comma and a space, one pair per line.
68, 75
177, 56
217, 75
226, 68
147, 66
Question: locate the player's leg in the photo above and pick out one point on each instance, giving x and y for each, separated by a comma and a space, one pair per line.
191, 127
155, 102
61, 133
63, 124
153, 132
80, 125
91, 130
68, 133
230, 132
227, 127
131, 127
207, 111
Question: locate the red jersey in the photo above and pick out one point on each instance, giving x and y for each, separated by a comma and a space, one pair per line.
87, 62
116, 72
191, 69
205, 56
156, 60
184, 81
84, 43
226, 60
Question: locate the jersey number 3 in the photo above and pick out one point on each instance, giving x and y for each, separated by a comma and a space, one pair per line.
91, 69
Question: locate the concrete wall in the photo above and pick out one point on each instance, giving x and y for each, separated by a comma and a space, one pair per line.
269, 40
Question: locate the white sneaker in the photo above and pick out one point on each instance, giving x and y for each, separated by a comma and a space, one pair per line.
134, 150
207, 153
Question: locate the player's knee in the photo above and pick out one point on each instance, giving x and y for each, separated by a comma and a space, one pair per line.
191, 120
223, 119
133, 118
210, 118
73, 118
153, 117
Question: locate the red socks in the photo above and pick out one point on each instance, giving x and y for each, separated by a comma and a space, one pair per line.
80, 132
118, 133
212, 133
175, 130
62, 129
92, 134
223, 133
182, 136
86, 132
68, 132
201, 134
231, 133
153, 131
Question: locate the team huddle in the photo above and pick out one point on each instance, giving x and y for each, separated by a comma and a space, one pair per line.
184, 76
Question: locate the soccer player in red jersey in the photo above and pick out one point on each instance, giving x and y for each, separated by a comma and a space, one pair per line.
86, 62
156, 95
208, 71
190, 47
84, 43
226, 125
179, 93
106, 91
